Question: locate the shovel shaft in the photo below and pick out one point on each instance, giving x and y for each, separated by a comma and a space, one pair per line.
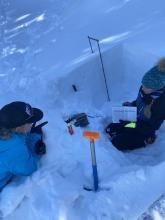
94, 166
93, 154
95, 177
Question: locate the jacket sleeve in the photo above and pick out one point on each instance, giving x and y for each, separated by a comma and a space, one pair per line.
21, 160
24, 166
31, 140
157, 117
149, 127
133, 103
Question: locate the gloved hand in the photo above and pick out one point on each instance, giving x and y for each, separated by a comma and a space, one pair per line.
126, 104
147, 99
40, 147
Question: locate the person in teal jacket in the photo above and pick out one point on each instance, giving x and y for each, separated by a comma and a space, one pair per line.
21, 142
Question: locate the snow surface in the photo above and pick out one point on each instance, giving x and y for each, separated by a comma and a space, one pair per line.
44, 51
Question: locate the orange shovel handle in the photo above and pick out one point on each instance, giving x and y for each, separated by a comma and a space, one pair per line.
91, 135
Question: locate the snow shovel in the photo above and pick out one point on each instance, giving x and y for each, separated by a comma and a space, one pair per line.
91, 136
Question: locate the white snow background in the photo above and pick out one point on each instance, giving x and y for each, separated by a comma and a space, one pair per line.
44, 50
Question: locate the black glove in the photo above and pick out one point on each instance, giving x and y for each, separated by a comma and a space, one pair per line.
40, 147
127, 104
147, 99
38, 129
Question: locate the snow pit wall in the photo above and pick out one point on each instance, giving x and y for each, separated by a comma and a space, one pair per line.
89, 80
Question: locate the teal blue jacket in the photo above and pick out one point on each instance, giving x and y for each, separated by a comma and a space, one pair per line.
17, 156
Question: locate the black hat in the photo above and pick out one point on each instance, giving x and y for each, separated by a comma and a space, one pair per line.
16, 114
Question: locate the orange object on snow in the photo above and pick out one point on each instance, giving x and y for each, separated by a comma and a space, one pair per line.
91, 135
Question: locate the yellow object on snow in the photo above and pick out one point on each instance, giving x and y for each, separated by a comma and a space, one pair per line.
130, 125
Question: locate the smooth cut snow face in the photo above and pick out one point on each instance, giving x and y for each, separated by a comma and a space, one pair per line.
44, 52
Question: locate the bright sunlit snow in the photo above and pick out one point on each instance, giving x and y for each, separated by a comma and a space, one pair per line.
44, 52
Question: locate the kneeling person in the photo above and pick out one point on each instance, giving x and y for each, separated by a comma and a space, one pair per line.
150, 105
20, 142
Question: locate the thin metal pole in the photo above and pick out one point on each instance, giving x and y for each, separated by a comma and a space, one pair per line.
103, 71
90, 44
102, 65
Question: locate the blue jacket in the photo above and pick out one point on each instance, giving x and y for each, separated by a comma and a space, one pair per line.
17, 156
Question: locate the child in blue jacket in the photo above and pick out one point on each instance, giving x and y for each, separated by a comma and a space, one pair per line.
20, 142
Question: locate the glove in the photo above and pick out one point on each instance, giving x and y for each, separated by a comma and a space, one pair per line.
40, 147
147, 99
126, 104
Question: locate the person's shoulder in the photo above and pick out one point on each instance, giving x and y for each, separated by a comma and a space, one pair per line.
13, 147
18, 139
14, 141
17, 146
14, 137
